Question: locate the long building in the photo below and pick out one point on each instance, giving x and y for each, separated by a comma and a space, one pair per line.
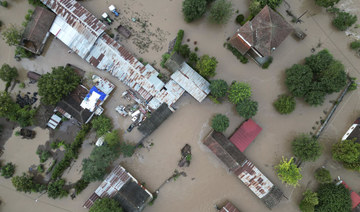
85, 35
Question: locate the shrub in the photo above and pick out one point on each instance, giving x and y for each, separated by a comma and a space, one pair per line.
285, 104
102, 125
22, 85
40, 168
8, 170
306, 147
4, 3
207, 66
238, 55
127, 149
322, 175
267, 63
193, 9
239, 19
106, 205
164, 57
247, 108
218, 88
179, 38
347, 152
326, 3
36, 3
309, 201
344, 20
288, 172
220, 11
193, 58
80, 185
56, 189
12, 35
333, 198
43, 155
184, 50
239, 91
220, 123
355, 44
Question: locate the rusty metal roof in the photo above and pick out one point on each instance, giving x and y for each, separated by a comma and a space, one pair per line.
192, 82
103, 84
169, 95
229, 207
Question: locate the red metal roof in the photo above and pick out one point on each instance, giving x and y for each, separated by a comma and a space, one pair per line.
229, 207
245, 134
355, 198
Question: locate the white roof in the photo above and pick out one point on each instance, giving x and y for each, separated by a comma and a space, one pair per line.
349, 131
54, 121
112, 7
90, 103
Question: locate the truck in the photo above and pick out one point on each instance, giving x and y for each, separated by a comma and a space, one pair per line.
107, 18
112, 8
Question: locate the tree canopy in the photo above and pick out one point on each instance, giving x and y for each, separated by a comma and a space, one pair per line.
8, 170
326, 3
218, 88
206, 66
101, 124
12, 35
56, 189
285, 104
25, 183
106, 205
257, 5
344, 20
220, 122
333, 198
333, 78
8, 73
306, 148
320, 61
298, 79
288, 172
57, 84
112, 138
239, 91
309, 201
322, 175
193, 9
347, 152
247, 108
220, 11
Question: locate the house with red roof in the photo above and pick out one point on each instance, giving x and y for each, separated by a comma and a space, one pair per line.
245, 134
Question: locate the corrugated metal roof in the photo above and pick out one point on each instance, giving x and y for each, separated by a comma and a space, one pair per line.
103, 84
229, 207
169, 95
192, 82
254, 179
74, 25
245, 134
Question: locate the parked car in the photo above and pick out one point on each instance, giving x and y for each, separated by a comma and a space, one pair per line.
112, 8
107, 18
131, 127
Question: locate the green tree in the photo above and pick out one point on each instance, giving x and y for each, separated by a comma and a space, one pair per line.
101, 124
247, 108
298, 79
255, 7
333, 198
309, 201
355, 44
127, 149
206, 66
285, 104
347, 151
25, 115
306, 147
193, 58
288, 172
220, 11
112, 138
57, 84
274, 3
23, 183
344, 20
7, 106
239, 91
322, 175
23, 53
320, 61
218, 88
12, 35
184, 50
56, 189
315, 97
220, 122
8, 170
326, 3
193, 9
106, 205
94, 167
36, 3
333, 79
7, 73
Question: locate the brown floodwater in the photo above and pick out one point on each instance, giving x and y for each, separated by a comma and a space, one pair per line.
207, 182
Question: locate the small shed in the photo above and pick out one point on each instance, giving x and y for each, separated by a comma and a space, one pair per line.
245, 134
33, 76
54, 121
229, 207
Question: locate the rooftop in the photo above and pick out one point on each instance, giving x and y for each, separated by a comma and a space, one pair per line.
229, 207
353, 131
156, 119
245, 134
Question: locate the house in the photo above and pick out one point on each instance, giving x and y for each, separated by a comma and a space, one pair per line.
244, 169
245, 134
353, 132
70, 106
229, 207
37, 31
155, 120
124, 188
262, 35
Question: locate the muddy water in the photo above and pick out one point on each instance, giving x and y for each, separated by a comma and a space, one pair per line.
207, 182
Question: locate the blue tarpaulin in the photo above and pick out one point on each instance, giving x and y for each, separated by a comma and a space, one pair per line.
94, 89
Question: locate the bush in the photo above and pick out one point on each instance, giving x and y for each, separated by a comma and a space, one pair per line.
218, 88
220, 11
102, 125
238, 55
56, 189
184, 51
347, 152
4, 3
333, 198
36, 3
164, 57
193, 9
127, 149
179, 38
285, 104
309, 201
193, 58
43, 155
355, 44
326, 3
106, 205
207, 66
288, 172
23, 53
239, 19
247, 108
8, 170
220, 123
267, 63
12, 35
322, 175
306, 148
344, 20
40, 168
80, 185
22, 85
239, 91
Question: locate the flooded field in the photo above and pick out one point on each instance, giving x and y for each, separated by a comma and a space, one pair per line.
207, 182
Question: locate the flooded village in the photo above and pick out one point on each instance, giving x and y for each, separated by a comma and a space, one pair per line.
139, 125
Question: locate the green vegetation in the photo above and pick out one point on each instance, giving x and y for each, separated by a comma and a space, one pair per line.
112, 138
220, 122
322, 175
207, 66
267, 63
4, 3
102, 125
220, 11
347, 152
218, 88
56, 189
239, 91
193, 59
164, 57
326, 3
306, 148
80, 185
309, 201
247, 108
106, 205
238, 55
184, 51
127, 149
239, 19
12, 35
355, 44
22, 85
193, 9
25, 183
344, 20
333, 198
320, 75
8, 170
285, 104
257, 5
56, 85
179, 38
40, 168
288, 172
36, 3
8, 74
23, 53
43, 155
27, 18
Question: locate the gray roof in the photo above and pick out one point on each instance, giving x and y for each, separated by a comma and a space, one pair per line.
156, 119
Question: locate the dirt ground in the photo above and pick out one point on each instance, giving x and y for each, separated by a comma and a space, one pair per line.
207, 182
